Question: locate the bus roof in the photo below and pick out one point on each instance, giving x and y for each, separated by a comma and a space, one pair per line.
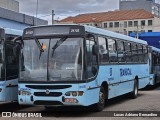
155, 49
99, 31
13, 31
112, 34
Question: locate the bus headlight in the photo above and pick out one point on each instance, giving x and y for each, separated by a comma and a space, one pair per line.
74, 93
21, 92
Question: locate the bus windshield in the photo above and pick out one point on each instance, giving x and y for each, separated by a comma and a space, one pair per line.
56, 59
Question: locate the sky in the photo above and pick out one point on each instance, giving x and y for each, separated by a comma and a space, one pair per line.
65, 8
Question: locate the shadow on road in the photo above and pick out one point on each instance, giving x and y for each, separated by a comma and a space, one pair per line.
148, 88
11, 107
78, 111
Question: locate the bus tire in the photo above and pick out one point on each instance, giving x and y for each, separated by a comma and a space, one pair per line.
102, 98
134, 93
50, 108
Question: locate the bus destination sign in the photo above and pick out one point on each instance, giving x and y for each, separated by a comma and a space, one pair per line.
53, 31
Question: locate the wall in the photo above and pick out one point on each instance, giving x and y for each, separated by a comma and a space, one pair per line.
138, 4
10, 5
12, 24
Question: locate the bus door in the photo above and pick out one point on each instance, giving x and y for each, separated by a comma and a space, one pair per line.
11, 59
2, 74
124, 55
91, 67
156, 67
113, 69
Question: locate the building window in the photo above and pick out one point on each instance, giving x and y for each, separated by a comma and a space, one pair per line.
129, 23
142, 31
149, 22
149, 30
95, 25
116, 24
125, 24
143, 23
135, 23
105, 25
111, 24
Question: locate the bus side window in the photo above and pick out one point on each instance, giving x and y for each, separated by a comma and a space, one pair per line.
91, 60
112, 50
145, 53
120, 50
134, 53
128, 52
104, 58
140, 53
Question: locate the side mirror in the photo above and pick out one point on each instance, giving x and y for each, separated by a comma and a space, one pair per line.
95, 50
18, 40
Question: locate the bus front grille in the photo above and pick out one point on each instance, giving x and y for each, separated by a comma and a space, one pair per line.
51, 94
41, 102
50, 87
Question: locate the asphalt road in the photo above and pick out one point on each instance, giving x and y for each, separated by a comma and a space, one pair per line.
147, 103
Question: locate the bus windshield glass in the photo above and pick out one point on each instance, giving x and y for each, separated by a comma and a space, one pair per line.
56, 59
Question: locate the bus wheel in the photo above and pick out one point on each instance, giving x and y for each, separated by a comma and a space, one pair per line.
102, 97
134, 93
50, 108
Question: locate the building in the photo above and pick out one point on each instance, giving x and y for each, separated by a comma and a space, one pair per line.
123, 21
10, 5
148, 5
10, 18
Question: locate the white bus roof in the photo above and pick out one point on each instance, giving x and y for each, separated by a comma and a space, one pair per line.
112, 34
155, 49
102, 32
13, 31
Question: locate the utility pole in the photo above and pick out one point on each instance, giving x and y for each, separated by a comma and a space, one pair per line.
37, 12
53, 14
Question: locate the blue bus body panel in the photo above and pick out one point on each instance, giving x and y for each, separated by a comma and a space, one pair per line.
9, 90
88, 97
2, 93
119, 83
13, 31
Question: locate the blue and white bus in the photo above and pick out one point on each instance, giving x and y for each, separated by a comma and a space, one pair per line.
154, 56
80, 65
9, 65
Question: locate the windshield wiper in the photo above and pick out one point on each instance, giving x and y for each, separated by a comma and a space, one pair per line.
58, 43
40, 47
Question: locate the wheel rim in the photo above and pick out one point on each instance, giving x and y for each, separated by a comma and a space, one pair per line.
136, 90
101, 98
